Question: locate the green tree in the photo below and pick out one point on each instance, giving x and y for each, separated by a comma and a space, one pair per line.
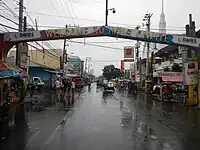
110, 72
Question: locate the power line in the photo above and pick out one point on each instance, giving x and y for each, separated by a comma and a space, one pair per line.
101, 21
9, 19
15, 15
69, 4
70, 12
29, 44
8, 27
8, 8
102, 46
48, 43
51, 55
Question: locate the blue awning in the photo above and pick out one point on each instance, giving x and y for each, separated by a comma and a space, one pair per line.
9, 73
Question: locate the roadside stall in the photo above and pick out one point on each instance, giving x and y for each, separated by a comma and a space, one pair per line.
11, 95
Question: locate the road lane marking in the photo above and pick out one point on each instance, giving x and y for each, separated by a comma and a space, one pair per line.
32, 138
52, 135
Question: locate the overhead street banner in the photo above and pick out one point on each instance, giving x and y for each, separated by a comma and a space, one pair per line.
96, 31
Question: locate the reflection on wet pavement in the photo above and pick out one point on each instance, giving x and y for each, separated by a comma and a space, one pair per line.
103, 121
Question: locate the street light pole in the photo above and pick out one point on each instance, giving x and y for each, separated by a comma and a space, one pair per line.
111, 9
106, 21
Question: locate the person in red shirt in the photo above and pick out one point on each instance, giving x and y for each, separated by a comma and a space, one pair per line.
166, 92
166, 89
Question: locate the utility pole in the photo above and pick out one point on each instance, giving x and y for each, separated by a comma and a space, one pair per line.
151, 67
63, 57
147, 18
86, 61
140, 70
18, 51
137, 45
190, 32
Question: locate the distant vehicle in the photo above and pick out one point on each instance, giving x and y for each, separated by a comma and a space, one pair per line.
78, 82
38, 83
110, 87
105, 82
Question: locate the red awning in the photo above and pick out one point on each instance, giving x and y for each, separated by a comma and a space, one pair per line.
172, 78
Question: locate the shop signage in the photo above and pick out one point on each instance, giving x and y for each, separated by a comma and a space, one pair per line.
21, 36
161, 74
172, 73
128, 52
189, 40
128, 60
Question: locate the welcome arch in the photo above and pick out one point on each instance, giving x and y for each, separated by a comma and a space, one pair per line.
8, 40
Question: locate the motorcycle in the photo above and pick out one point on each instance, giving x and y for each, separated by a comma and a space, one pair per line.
89, 85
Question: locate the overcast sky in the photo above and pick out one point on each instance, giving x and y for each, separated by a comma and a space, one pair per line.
129, 13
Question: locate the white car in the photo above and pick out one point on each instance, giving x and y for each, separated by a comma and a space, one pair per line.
110, 87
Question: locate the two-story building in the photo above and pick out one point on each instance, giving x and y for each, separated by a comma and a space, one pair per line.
170, 67
46, 63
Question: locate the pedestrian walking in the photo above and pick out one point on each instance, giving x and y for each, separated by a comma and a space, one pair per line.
68, 91
73, 91
58, 86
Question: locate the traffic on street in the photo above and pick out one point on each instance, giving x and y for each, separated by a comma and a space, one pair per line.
99, 75
101, 120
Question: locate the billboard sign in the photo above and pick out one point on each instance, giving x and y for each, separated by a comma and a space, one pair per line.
128, 52
128, 60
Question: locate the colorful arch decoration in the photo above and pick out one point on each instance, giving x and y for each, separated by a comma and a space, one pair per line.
8, 40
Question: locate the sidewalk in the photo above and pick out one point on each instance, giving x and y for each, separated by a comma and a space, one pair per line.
179, 119
40, 127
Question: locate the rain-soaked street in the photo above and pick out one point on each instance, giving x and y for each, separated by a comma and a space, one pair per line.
98, 123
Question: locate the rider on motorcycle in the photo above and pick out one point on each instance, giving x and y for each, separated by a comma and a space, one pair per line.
89, 83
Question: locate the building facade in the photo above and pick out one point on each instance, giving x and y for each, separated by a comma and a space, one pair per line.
49, 58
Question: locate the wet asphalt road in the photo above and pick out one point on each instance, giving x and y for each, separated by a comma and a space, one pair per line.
97, 122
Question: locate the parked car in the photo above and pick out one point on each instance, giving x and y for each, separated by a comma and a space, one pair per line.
39, 84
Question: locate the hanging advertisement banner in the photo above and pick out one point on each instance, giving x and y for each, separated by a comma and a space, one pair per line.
191, 72
129, 52
122, 66
190, 67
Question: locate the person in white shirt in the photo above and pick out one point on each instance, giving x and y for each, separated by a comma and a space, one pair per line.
58, 85
73, 90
